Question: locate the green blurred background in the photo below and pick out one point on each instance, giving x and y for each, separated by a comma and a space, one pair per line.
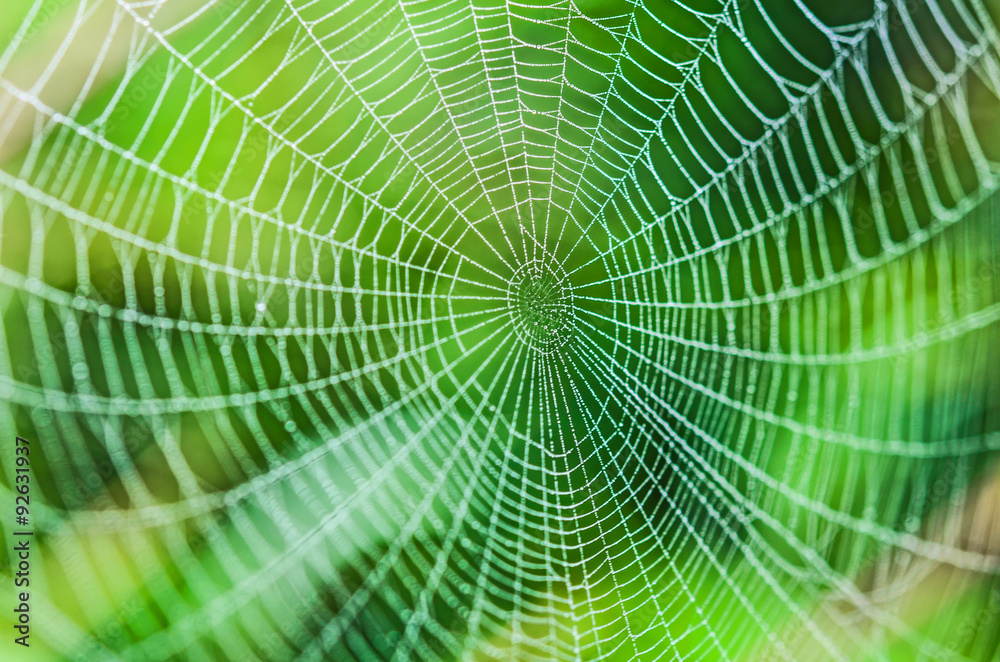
465, 330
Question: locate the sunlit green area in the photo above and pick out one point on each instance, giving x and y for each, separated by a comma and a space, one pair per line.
467, 331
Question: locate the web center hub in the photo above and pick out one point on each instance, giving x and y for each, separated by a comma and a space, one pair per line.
541, 305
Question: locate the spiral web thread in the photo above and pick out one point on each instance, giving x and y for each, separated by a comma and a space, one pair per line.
451, 330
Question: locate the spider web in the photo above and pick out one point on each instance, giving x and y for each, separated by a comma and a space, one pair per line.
474, 330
